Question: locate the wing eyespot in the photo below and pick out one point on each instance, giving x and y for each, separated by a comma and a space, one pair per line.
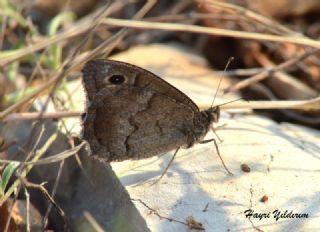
116, 79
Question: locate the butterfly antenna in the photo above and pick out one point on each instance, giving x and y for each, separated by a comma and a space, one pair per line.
238, 99
225, 68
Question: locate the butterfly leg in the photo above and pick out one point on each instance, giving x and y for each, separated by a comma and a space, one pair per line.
166, 169
215, 133
218, 152
190, 142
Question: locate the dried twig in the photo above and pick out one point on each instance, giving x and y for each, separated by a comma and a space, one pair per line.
268, 72
153, 211
306, 105
50, 199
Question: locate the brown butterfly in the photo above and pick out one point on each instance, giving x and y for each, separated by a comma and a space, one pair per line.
133, 114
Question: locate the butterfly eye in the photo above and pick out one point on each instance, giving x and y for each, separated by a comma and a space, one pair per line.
116, 79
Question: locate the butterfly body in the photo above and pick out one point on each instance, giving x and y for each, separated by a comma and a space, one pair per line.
132, 114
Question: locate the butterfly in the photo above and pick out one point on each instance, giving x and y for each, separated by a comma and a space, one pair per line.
132, 113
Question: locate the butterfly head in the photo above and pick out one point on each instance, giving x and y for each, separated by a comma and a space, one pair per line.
206, 118
213, 114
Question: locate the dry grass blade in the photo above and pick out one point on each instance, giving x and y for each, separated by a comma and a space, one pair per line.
267, 73
51, 159
70, 65
210, 31
243, 12
78, 28
305, 105
26, 168
62, 74
37, 116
